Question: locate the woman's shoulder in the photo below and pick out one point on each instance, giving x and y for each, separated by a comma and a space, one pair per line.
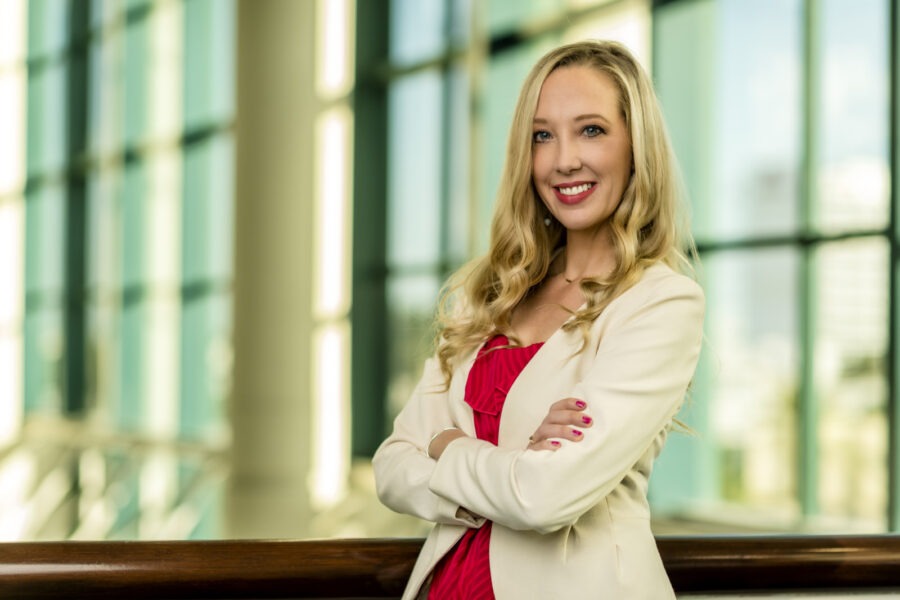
660, 281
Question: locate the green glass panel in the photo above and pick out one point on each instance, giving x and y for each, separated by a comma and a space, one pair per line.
415, 105
851, 382
851, 137
207, 210
418, 30
209, 48
411, 301
206, 365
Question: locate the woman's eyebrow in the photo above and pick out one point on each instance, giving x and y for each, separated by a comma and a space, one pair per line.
584, 117
591, 116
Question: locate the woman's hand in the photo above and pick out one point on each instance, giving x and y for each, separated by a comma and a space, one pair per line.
440, 441
565, 420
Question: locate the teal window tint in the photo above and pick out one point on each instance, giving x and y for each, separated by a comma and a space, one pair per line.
850, 353
133, 210
411, 303
47, 28
505, 15
105, 93
418, 30
43, 350
207, 226
744, 395
460, 163
757, 119
104, 12
207, 211
839, 312
728, 76
851, 181
505, 73
46, 118
208, 80
44, 217
415, 115
104, 272
136, 91
206, 365
104, 218
460, 28
102, 381
43, 323
684, 59
126, 411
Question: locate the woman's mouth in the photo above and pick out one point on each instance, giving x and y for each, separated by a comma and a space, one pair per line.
573, 193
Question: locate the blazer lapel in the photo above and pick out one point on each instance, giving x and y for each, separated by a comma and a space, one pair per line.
544, 380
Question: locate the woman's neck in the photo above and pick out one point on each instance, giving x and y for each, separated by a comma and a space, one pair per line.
587, 256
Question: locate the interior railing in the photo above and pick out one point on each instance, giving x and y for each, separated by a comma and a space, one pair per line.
378, 568
72, 479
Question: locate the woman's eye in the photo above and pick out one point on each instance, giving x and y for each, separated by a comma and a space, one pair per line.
540, 136
593, 130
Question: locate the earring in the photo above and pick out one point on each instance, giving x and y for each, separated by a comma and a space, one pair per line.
547, 221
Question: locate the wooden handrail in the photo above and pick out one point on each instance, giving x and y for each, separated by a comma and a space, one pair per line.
378, 568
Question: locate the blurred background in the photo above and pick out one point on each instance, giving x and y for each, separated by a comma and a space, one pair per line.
224, 223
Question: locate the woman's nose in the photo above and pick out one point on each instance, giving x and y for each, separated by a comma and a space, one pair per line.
567, 158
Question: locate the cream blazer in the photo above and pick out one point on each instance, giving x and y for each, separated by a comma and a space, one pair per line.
569, 523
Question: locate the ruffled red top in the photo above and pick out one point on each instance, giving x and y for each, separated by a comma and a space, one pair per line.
464, 573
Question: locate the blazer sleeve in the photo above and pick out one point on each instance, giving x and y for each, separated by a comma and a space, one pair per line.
635, 386
402, 470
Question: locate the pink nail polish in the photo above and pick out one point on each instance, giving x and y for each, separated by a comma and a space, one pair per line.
580, 404
586, 420
555, 444
576, 432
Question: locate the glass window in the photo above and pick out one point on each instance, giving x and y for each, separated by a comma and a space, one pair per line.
752, 362
208, 81
418, 30
157, 204
850, 349
414, 185
504, 76
504, 16
411, 303
851, 149
46, 123
792, 389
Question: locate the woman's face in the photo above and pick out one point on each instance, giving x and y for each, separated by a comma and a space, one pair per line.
581, 148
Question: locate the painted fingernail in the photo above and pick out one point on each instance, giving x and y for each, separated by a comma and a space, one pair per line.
576, 432
586, 420
580, 404
555, 444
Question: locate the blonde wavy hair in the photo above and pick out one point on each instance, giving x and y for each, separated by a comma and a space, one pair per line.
648, 226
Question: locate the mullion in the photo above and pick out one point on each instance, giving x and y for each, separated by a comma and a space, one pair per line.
893, 394
75, 219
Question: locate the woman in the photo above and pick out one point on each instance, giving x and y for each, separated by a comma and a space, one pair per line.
563, 355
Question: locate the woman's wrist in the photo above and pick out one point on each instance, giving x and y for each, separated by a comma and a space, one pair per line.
442, 437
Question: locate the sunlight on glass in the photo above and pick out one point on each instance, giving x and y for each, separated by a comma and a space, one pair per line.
17, 478
165, 69
334, 73
11, 294
162, 325
158, 489
12, 123
851, 356
852, 174
332, 245
12, 96
12, 31
625, 22
330, 447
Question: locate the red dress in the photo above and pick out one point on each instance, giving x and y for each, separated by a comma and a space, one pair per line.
464, 573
